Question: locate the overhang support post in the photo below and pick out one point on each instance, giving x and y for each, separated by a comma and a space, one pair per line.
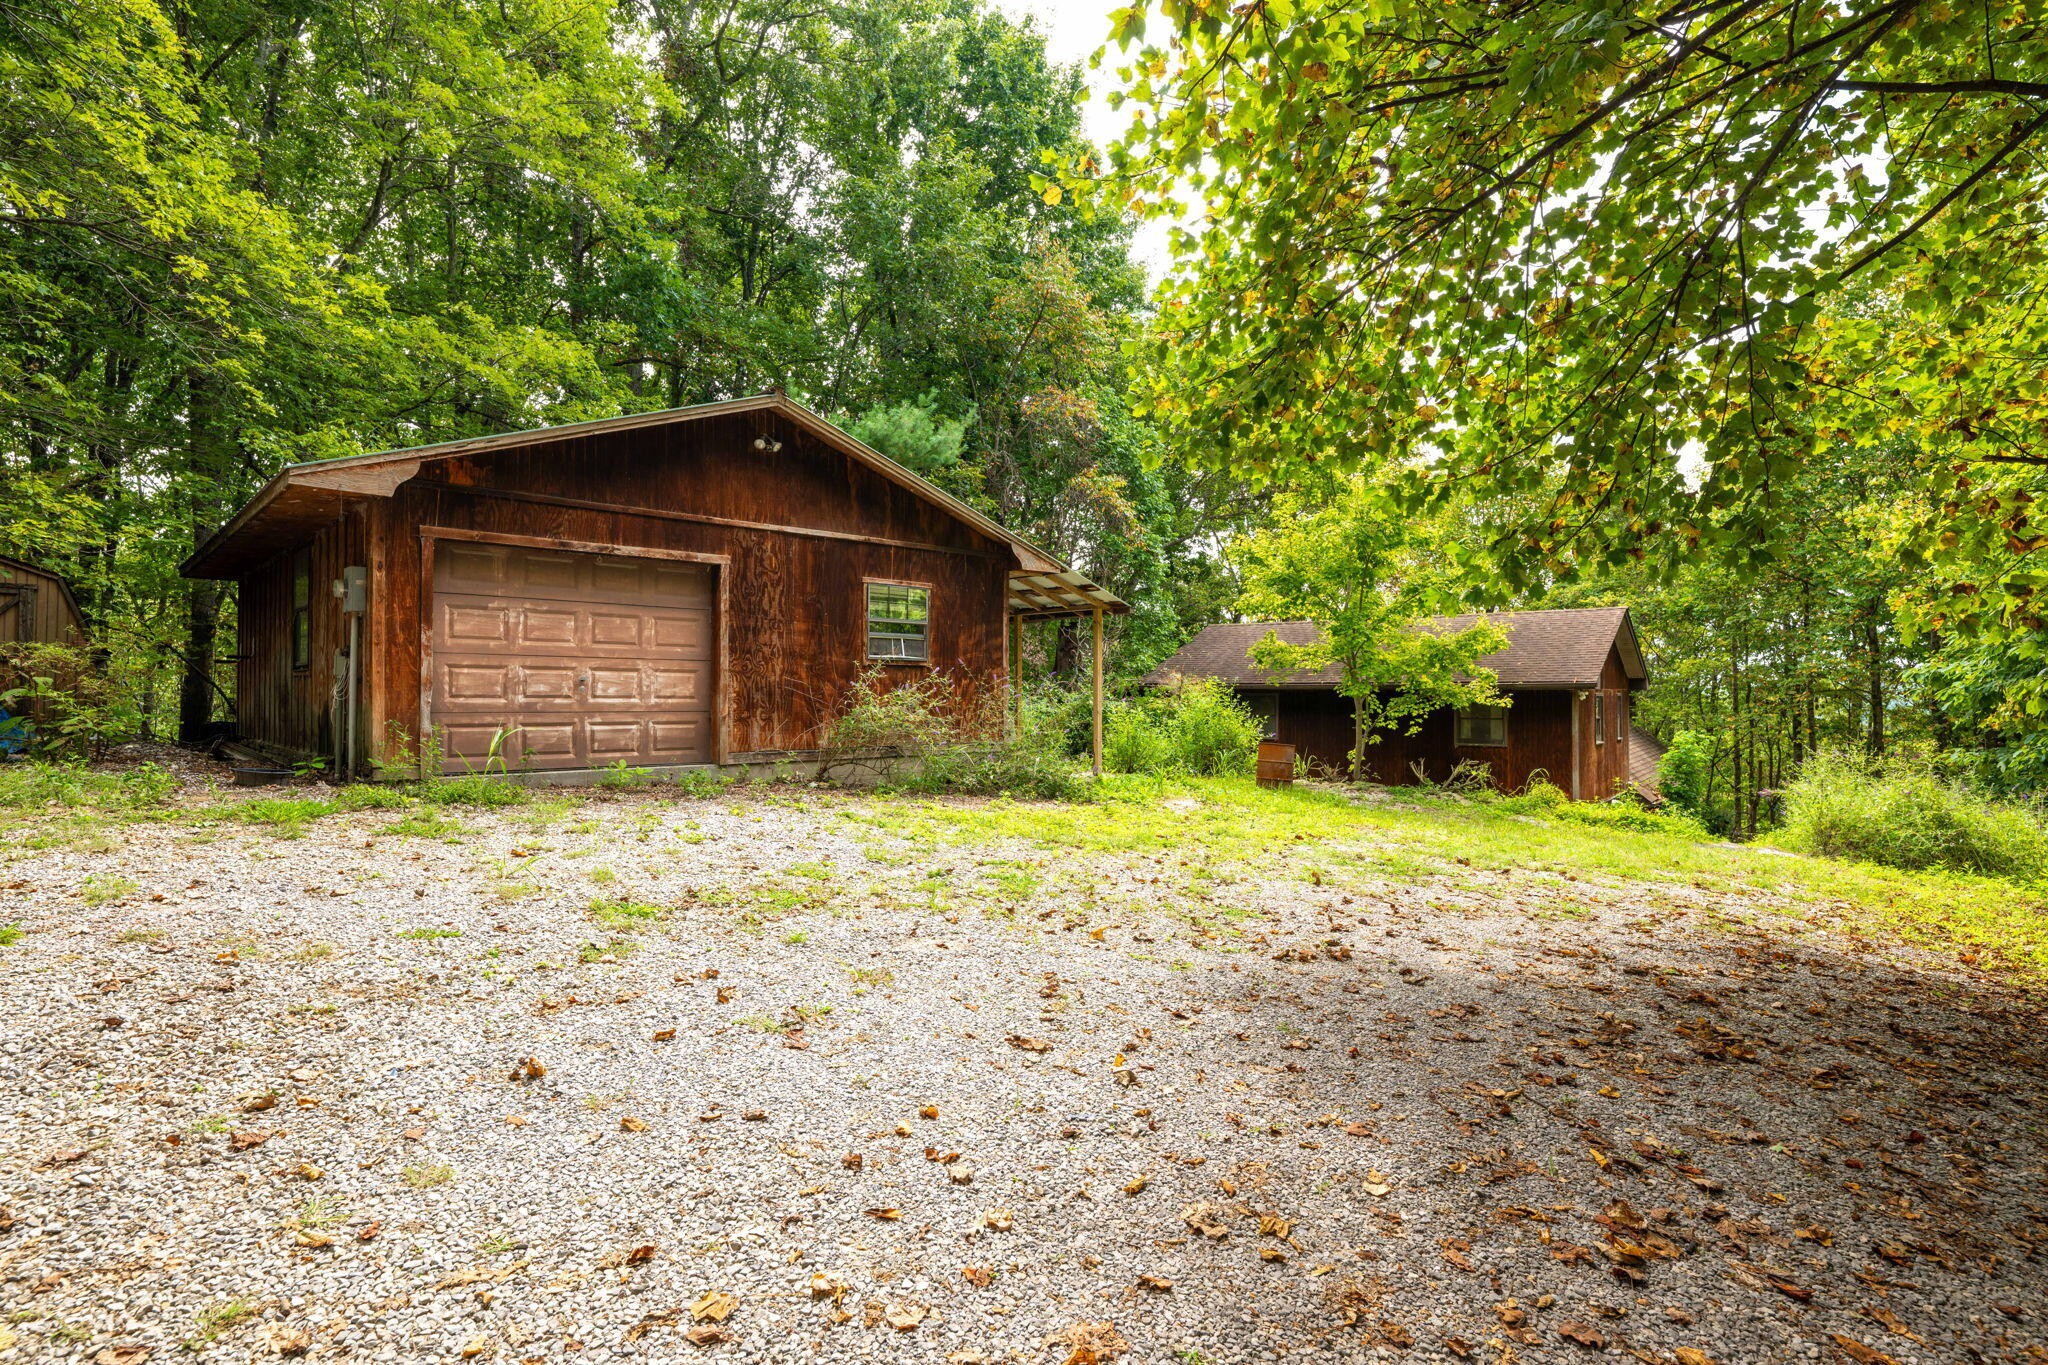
1096, 728
1016, 676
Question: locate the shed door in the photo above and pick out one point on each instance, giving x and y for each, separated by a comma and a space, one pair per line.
577, 661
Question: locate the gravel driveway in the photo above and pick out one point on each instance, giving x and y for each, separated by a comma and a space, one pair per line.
799, 1078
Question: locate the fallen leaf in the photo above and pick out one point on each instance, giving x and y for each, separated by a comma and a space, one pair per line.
478, 1345
256, 1104
242, 1142
886, 1215
112, 1355
629, 1124
998, 1220
309, 1238
1691, 1355
930, 1111
1893, 1323
1205, 1218
1093, 1343
413, 1134
1137, 1186
905, 1317
287, 1339
823, 1286
725, 995
307, 1171
662, 1035
1580, 1334
1024, 1044
1858, 1352
1376, 1185
368, 1232
715, 1306
529, 1069
980, 1276
706, 1334
753, 1115
1273, 1254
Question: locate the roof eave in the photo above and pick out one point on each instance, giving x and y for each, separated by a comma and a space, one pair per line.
1029, 556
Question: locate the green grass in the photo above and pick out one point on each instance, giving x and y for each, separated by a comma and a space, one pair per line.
10, 934
618, 950
472, 789
428, 933
617, 913
1415, 836
105, 889
427, 1177
424, 822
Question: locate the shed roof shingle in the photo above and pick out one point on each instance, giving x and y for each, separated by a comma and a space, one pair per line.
1556, 648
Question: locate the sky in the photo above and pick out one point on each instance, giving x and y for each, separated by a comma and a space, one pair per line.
1073, 30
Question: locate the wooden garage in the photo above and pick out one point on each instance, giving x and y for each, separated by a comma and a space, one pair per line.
692, 587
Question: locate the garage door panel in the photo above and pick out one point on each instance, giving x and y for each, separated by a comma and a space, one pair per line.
466, 684
547, 628
612, 684
672, 741
609, 628
613, 740
476, 626
688, 687
685, 633
580, 660
547, 684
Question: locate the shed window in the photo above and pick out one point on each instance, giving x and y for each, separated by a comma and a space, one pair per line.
899, 622
1599, 717
1483, 726
302, 609
1266, 706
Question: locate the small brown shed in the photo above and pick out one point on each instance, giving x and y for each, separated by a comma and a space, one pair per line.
36, 606
669, 589
1569, 675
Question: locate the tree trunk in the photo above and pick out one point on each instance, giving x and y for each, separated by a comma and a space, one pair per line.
195, 685
203, 597
1874, 643
1358, 739
1066, 649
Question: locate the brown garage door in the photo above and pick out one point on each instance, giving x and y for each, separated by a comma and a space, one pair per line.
578, 661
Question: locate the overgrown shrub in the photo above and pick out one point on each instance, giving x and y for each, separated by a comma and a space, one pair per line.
81, 709
1197, 727
927, 735
1683, 771
1542, 799
1900, 813
36, 783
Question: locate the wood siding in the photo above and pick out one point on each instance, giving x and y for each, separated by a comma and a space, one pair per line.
35, 606
292, 711
1318, 723
794, 533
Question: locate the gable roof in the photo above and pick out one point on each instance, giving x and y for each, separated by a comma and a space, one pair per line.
306, 493
1643, 753
10, 567
1561, 648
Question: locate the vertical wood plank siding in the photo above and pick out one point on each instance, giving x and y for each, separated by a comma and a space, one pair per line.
278, 707
48, 616
796, 627
1317, 722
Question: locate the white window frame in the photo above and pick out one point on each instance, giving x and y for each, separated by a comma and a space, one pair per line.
897, 646
1468, 715
1599, 718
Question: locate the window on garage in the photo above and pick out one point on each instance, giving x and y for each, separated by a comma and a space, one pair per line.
302, 609
899, 622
